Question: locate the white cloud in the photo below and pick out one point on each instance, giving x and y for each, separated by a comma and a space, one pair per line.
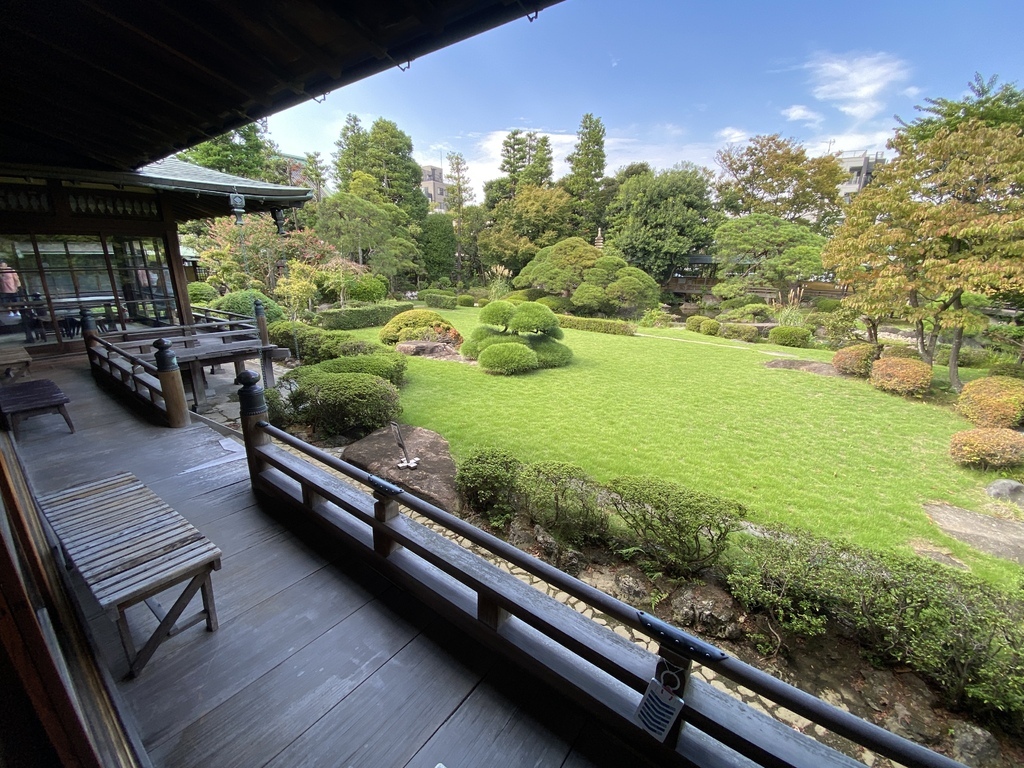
800, 113
856, 83
731, 135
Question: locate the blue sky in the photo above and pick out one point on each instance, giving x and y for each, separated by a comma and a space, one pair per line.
676, 81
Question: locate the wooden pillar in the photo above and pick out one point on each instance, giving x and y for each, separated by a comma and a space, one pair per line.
89, 332
266, 362
253, 410
171, 385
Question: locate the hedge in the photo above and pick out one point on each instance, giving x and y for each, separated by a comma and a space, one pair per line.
789, 336
597, 325
855, 360
994, 401
901, 376
312, 345
740, 331
368, 316
440, 301
987, 448
388, 365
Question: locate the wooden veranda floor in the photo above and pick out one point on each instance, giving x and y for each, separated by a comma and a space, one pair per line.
318, 660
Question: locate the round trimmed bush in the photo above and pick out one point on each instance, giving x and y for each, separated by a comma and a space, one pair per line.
413, 318
740, 331
344, 403
483, 302
901, 350
987, 447
710, 327
550, 353
465, 300
693, 322
1013, 370
242, 302
202, 293
508, 359
388, 365
855, 360
482, 341
901, 376
789, 336
497, 313
994, 401
531, 317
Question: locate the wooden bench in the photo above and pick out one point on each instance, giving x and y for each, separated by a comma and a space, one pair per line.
14, 362
128, 546
28, 398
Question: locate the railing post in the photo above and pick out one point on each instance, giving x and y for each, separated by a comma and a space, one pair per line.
488, 612
253, 410
266, 362
171, 386
89, 332
384, 509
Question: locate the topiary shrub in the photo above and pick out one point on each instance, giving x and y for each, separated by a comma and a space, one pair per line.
563, 499
202, 293
856, 360
987, 448
994, 401
901, 376
1013, 370
789, 336
498, 313
483, 302
550, 353
388, 365
748, 313
597, 325
508, 359
710, 327
531, 317
414, 318
739, 331
680, 529
440, 301
465, 300
904, 351
693, 322
242, 302
486, 482
343, 403
484, 337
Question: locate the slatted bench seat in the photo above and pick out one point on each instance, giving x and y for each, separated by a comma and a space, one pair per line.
14, 362
128, 546
28, 398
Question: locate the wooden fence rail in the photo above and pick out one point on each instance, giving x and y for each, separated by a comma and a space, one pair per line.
582, 658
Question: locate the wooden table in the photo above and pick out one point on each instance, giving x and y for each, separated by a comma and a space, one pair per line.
129, 545
28, 398
14, 362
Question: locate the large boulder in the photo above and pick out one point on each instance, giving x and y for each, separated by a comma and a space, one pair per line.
432, 480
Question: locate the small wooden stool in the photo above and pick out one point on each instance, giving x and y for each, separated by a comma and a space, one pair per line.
28, 398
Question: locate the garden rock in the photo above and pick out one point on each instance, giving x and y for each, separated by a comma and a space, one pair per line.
629, 588
434, 349
432, 480
1007, 490
974, 745
708, 609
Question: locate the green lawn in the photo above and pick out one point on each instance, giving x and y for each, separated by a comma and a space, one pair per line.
831, 455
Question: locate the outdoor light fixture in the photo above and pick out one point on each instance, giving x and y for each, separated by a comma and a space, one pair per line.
237, 207
278, 215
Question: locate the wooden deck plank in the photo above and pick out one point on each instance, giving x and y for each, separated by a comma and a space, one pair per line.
247, 729
386, 720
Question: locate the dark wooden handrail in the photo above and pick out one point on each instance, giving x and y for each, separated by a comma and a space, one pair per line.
675, 644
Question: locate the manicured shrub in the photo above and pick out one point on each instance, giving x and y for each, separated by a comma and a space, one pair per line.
558, 304
948, 625
413, 318
901, 376
741, 301
483, 302
656, 318
343, 403
388, 365
497, 313
987, 447
563, 499
900, 350
482, 341
202, 293
241, 303
444, 333
550, 353
1013, 370
994, 401
740, 331
821, 304
855, 360
710, 327
465, 300
531, 317
486, 482
365, 316
440, 301
789, 336
368, 287
508, 359
527, 294
597, 325
748, 313
309, 344
680, 529
279, 410
693, 322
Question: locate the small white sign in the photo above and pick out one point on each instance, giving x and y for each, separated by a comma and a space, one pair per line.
658, 710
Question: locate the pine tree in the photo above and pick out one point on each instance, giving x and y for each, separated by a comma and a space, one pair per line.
460, 194
352, 147
316, 173
586, 163
514, 156
539, 161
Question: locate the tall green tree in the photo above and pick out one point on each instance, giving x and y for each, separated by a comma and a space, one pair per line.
389, 160
539, 168
514, 156
536, 218
940, 221
438, 244
767, 251
460, 195
658, 219
351, 150
986, 103
775, 176
586, 169
316, 174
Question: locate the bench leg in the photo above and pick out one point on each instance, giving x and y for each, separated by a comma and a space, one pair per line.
208, 605
163, 631
64, 413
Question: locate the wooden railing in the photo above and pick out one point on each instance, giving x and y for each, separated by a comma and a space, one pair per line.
587, 661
